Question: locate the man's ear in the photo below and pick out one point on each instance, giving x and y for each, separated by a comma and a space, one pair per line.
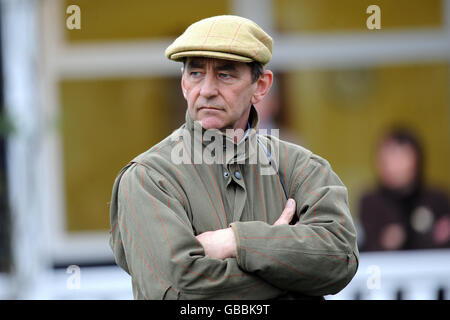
263, 85
183, 87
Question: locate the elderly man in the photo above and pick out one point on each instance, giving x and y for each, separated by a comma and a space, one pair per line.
256, 217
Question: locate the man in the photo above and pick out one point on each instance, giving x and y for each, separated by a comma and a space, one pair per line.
191, 221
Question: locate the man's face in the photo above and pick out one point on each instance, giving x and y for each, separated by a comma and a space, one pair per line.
218, 92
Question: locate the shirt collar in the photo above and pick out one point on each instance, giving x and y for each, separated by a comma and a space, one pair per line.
246, 133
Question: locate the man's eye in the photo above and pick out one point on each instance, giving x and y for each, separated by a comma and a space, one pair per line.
195, 73
225, 75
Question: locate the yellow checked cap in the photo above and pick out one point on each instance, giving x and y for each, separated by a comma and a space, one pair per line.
223, 37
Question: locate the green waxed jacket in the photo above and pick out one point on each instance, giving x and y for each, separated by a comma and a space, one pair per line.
160, 204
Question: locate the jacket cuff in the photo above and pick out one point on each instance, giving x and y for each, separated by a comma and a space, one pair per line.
245, 232
239, 252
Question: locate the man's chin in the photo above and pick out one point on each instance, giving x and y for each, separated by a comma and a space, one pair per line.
211, 123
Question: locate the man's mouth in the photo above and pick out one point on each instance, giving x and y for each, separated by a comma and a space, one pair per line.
210, 108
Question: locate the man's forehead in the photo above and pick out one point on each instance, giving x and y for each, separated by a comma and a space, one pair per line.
216, 63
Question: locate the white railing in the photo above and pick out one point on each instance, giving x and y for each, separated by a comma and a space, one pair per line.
381, 275
415, 274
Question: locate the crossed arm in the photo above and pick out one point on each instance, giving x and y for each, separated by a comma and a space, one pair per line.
221, 244
154, 242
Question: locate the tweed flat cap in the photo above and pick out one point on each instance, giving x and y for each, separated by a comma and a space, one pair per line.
223, 37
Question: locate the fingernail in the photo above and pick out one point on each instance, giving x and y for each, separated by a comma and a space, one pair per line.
291, 203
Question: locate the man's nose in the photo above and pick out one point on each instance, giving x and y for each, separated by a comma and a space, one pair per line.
209, 86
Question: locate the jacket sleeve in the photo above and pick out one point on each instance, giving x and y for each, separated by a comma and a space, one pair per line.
319, 256
153, 240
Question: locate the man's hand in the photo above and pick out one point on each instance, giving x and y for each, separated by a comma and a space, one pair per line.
287, 214
220, 244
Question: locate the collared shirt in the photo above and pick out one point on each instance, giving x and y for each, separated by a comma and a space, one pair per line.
165, 197
247, 131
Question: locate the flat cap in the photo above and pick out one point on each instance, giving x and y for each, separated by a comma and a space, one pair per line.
223, 37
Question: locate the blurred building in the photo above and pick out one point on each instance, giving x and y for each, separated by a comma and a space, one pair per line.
82, 99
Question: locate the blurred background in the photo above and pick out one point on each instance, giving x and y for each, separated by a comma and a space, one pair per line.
81, 97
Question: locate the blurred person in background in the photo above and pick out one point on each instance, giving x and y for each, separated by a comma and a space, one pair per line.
269, 108
270, 115
403, 212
